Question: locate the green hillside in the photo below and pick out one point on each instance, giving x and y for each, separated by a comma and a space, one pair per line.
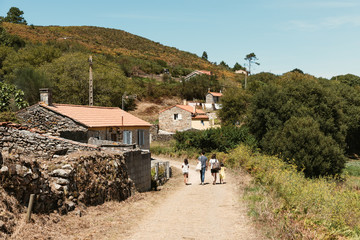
35, 56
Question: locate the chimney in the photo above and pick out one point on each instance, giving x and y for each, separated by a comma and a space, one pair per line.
46, 96
184, 102
194, 109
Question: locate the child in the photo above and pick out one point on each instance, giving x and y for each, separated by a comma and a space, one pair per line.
222, 173
185, 168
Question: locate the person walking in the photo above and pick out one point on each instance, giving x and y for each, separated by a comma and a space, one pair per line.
222, 173
214, 166
203, 161
185, 169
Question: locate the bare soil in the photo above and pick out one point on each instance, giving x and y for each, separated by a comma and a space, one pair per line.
177, 211
149, 111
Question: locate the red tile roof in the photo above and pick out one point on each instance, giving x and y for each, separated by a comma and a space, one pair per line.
205, 72
200, 117
216, 94
190, 109
92, 116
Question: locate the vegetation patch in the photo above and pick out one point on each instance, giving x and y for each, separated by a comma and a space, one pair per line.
303, 208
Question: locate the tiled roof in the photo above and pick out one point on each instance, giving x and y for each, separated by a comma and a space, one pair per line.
190, 109
92, 116
216, 94
200, 117
205, 72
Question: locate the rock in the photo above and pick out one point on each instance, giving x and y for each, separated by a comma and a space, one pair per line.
4, 169
64, 173
1, 160
70, 205
67, 166
62, 181
78, 213
22, 170
56, 187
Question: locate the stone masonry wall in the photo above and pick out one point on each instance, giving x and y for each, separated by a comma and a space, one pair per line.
167, 122
39, 117
12, 137
61, 184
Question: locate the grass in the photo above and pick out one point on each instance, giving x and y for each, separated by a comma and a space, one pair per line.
302, 208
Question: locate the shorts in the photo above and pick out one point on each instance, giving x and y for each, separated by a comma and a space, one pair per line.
186, 174
214, 171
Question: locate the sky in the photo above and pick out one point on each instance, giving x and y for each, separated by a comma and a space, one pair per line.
320, 37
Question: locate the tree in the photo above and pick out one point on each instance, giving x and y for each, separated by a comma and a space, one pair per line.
9, 94
234, 102
251, 58
297, 70
224, 65
322, 114
237, 66
204, 56
14, 15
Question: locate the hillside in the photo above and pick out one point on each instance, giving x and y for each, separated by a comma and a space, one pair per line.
114, 42
33, 57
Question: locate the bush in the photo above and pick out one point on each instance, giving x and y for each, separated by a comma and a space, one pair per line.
214, 139
309, 208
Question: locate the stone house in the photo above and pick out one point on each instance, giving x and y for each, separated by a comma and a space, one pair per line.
182, 118
87, 124
213, 97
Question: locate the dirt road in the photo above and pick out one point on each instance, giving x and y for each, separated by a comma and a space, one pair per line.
198, 212
176, 212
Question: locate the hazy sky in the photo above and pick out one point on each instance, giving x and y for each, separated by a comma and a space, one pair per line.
320, 37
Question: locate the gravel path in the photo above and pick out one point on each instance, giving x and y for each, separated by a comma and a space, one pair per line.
198, 212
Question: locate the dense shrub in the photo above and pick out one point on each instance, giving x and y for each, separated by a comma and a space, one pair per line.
214, 139
324, 117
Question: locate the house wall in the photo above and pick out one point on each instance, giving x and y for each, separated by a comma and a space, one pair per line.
209, 98
167, 122
43, 119
196, 124
105, 134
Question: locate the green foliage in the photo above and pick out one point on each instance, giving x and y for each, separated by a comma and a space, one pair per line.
30, 81
348, 79
224, 65
14, 15
301, 141
8, 117
234, 106
353, 168
307, 100
252, 59
316, 208
237, 66
9, 40
8, 95
214, 139
204, 56
197, 87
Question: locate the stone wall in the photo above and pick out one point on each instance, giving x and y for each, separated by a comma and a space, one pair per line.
39, 117
65, 182
14, 137
15, 140
167, 122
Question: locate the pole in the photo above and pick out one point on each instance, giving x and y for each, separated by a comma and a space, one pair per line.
31, 202
91, 102
245, 80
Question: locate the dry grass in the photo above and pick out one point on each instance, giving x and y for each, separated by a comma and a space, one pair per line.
98, 222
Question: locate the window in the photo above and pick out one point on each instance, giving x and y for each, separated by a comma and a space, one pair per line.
127, 137
177, 116
141, 137
202, 122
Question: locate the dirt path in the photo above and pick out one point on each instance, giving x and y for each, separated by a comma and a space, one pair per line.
176, 212
198, 212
